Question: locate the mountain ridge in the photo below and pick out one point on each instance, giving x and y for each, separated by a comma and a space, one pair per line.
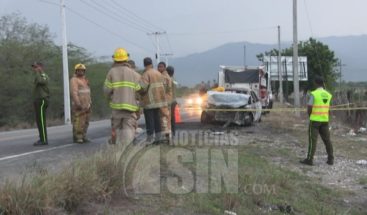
203, 66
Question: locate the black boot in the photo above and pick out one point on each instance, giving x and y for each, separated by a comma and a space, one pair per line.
40, 143
307, 162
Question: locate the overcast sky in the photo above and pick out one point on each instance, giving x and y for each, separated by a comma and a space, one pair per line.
192, 25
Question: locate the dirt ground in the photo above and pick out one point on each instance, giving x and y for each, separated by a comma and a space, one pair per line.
287, 133
284, 132
281, 139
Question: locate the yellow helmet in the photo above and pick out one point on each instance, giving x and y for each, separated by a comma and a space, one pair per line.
120, 55
80, 66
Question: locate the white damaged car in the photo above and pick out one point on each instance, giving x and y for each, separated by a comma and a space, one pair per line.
234, 106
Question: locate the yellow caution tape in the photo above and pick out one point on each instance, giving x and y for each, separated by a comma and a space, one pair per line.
341, 105
272, 110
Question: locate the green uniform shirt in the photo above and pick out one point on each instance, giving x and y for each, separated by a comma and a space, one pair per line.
40, 90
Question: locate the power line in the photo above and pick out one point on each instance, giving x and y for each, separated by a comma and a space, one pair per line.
124, 18
221, 32
308, 17
158, 50
135, 15
169, 43
99, 25
113, 17
312, 35
132, 18
49, 2
166, 56
108, 30
153, 42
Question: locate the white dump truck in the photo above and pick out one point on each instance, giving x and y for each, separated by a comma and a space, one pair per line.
253, 78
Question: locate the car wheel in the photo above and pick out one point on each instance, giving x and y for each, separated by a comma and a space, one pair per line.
204, 119
270, 106
248, 119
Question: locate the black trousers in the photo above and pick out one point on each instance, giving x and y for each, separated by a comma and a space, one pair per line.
315, 129
153, 121
40, 107
173, 118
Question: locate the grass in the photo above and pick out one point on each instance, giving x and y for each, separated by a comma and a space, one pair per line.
96, 182
98, 178
363, 180
262, 187
343, 145
90, 179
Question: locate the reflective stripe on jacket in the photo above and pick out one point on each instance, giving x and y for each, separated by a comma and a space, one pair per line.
120, 87
154, 95
321, 105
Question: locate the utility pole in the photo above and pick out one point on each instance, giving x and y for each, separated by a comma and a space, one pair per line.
166, 55
244, 57
156, 36
295, 59
65, 65
340, 73
280, 75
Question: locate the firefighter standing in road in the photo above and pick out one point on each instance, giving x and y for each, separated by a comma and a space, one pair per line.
166, 110
153, 98
171, 72
81, 104
41, 94
120, 88
318, 110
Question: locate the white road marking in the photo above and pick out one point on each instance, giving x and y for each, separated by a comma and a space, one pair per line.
34, 152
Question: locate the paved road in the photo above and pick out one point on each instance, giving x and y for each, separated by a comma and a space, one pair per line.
18, 155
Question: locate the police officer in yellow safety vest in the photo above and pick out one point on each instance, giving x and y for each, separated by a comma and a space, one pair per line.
81, 104
318, 110
120, 88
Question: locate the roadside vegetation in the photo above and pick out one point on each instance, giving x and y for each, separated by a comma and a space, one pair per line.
21, 44
95, 185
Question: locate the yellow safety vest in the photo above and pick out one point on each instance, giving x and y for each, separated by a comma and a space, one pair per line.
321, 105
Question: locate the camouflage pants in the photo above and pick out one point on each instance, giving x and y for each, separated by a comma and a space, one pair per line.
80, 124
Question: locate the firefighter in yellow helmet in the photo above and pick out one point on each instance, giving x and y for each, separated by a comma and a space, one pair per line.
120, 89
81, 104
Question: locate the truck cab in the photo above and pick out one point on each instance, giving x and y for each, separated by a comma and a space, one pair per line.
253, 78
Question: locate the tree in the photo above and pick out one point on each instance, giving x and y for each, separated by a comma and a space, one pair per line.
21, 44
321, 61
